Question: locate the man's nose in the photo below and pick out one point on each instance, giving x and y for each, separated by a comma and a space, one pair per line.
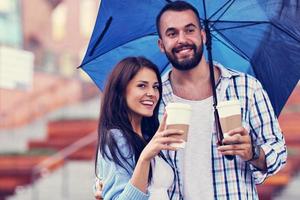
182, 37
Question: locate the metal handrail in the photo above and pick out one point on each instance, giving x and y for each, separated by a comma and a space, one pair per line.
8, 120
43, 167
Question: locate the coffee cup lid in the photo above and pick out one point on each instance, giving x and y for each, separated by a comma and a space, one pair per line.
179, 105
228, 103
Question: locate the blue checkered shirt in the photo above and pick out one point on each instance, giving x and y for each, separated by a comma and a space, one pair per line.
236, 179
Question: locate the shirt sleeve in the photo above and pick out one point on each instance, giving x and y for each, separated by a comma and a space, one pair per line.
116, 180
265, 131
161, 111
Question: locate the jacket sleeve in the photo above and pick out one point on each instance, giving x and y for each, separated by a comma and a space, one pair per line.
116, 180
265, 131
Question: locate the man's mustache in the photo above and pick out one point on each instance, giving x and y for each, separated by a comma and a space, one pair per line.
184, 46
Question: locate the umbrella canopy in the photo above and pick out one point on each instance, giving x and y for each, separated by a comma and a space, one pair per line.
261, 38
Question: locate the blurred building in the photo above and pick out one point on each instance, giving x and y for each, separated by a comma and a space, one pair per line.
16, 65
41, 44
10, 23
58, 31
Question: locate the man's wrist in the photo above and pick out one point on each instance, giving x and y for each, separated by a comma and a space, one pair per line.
255, 152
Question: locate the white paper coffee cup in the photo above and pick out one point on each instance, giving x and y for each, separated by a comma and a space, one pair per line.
179, 117
230, 115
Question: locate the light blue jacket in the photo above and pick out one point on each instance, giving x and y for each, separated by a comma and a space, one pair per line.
115, 178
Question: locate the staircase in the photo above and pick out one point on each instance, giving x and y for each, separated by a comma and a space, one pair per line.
48, 93
66, 139
63, 133
289, 121
16, 171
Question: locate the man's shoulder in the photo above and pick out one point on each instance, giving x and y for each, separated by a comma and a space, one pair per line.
165, 76
239, 80
241, 77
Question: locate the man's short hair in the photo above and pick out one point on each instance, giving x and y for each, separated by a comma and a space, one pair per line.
175, 6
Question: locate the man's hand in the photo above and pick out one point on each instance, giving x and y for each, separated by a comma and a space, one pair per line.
237, 142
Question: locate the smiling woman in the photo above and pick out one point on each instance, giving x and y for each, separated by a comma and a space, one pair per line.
142, 95
130, 138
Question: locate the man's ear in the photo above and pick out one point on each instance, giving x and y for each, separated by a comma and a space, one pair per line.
161, 45
203, 35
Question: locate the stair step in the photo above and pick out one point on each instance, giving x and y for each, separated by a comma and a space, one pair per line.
71, 128
289, 118
84, 154
266, 192
8, 185
20, 162
16, 171
55, 143
280, 179
291, 139
294, 99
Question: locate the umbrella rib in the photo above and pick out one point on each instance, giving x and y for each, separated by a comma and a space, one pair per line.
235, 49
254, 23
107, 24
204, 7
225, 4
286, 32
150, 34
244, 24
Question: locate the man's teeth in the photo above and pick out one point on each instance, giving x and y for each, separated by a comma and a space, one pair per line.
184, 49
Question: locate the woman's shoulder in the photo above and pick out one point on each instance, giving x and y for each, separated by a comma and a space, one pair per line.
117, 137
121, 152
116, 132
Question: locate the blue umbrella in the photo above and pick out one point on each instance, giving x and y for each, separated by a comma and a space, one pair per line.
259, 37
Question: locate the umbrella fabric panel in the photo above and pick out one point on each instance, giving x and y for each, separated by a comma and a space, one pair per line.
100, 67
122, 21
253, 36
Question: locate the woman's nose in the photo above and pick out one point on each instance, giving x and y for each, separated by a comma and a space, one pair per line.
150, 93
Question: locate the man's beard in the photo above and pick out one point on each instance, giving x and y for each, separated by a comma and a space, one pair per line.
188, 63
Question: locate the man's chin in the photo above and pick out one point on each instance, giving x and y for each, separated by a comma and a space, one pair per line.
184, 66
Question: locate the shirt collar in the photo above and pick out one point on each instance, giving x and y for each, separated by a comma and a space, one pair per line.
225, 72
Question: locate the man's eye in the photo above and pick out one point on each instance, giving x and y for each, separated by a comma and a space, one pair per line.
190, 30
171, 34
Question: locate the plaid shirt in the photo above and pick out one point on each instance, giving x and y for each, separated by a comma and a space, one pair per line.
236, 179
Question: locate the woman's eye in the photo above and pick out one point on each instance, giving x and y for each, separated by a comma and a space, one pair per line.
156, 87
141, 85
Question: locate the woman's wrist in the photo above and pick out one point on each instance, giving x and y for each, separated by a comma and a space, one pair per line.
144, 159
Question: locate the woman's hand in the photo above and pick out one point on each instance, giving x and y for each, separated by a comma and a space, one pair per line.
161, 140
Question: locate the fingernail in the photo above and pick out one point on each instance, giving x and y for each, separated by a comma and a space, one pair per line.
225, 135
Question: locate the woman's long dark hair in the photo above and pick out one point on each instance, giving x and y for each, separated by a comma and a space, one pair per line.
114, 113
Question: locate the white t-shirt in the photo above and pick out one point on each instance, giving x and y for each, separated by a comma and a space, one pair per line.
162, 179
195, 159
